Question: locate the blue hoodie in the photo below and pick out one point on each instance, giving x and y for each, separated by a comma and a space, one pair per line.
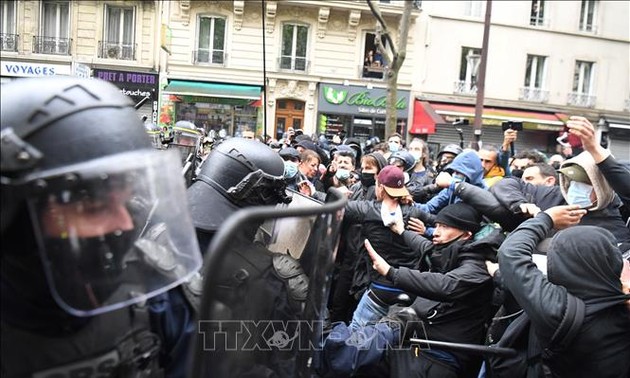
466, 163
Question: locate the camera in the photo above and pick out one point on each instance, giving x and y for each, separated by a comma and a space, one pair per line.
518, 126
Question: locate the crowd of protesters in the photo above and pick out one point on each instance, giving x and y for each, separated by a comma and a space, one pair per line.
101, 268
423, 242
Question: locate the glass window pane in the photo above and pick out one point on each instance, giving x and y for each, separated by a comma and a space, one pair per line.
217, 56
128, 27
282, 104
219, 34
204, 33
285, 62
297, 123
588, 67
287, 40
528, 70
576, 76
302, 40
540, 71
8, 8
64, 26
49, 19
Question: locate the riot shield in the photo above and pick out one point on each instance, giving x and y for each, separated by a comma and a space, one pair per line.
267, 276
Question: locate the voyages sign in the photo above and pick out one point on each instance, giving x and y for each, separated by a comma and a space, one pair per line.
334, 98
28, 69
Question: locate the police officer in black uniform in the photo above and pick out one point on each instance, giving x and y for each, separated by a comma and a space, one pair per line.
92, 241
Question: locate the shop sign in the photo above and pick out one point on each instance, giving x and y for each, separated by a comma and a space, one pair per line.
81, 70
28, 69
359, 100
136, 85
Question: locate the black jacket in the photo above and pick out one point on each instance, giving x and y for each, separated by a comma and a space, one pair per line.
512, 192
584, 261
391, 245
454, 297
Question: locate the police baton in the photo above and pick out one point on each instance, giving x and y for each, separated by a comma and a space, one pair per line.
473, 348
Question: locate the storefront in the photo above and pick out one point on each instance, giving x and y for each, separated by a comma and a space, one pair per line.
618, 137
212, 106
136, 85
10, 70
435, 120
358, 111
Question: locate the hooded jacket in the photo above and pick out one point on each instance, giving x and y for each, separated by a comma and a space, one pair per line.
604, 192
454, 289
585, 262
466, 163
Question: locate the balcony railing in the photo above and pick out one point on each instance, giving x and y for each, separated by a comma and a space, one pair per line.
205, 56
581, 99
115, 50
373, 72
533, 94
293, 64
51, 45
9, 42
465, 88
539, 21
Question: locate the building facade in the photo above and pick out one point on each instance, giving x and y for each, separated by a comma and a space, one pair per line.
546, 60
111, 40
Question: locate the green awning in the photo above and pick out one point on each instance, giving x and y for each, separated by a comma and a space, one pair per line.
196, 88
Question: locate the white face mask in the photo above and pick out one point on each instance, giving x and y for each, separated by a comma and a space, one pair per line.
579, 194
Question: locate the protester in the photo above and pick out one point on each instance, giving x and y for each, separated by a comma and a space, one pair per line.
584, 262
492, 170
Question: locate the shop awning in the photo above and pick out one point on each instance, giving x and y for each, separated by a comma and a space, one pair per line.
495, 116
424, 118
197, 88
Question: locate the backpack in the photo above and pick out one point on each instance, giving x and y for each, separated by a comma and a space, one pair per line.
530, 358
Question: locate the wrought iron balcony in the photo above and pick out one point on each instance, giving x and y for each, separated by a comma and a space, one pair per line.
293, 64
115, 50
533, 94
583, 100
206, 56
373, 71
9, 42
51, 45
465, 88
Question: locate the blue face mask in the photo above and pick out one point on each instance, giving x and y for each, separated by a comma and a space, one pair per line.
290, 169
342, 174
579, 194
393, 147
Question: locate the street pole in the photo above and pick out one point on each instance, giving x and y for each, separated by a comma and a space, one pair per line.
481, 81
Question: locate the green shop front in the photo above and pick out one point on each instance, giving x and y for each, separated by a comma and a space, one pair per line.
358, 111
232, 108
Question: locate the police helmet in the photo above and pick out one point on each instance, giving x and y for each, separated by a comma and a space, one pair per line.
403, 157
79, 175
238, 173
450, 148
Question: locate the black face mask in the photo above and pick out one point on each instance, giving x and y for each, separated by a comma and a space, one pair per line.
517, 173
368, 179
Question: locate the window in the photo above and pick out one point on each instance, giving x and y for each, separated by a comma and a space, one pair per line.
583, 82
537, 15
7, 26
55, 29
373, 63
535, 74
473, 8
119, 33
468, 70
583, 77
535, 79
294, 43
588, 14
211, 42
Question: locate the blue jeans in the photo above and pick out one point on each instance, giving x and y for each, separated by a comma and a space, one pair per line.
368, 312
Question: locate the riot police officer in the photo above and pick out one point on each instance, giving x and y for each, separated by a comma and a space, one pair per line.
92, 242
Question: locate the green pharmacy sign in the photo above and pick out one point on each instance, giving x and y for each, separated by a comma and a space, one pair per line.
356, 99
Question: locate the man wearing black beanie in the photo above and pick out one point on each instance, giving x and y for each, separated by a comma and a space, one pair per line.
454, 294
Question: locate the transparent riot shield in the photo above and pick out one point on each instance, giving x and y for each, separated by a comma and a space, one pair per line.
267, 278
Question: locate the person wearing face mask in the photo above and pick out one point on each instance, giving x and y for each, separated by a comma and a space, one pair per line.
454, 293
421, 178
394, 144
343, 300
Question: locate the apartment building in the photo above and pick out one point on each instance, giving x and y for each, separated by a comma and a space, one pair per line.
547, 60
110, 40
304, 62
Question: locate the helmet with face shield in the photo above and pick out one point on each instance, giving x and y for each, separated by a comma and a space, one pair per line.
80, 176
238, 173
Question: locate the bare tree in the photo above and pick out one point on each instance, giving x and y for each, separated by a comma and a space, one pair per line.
393, 57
